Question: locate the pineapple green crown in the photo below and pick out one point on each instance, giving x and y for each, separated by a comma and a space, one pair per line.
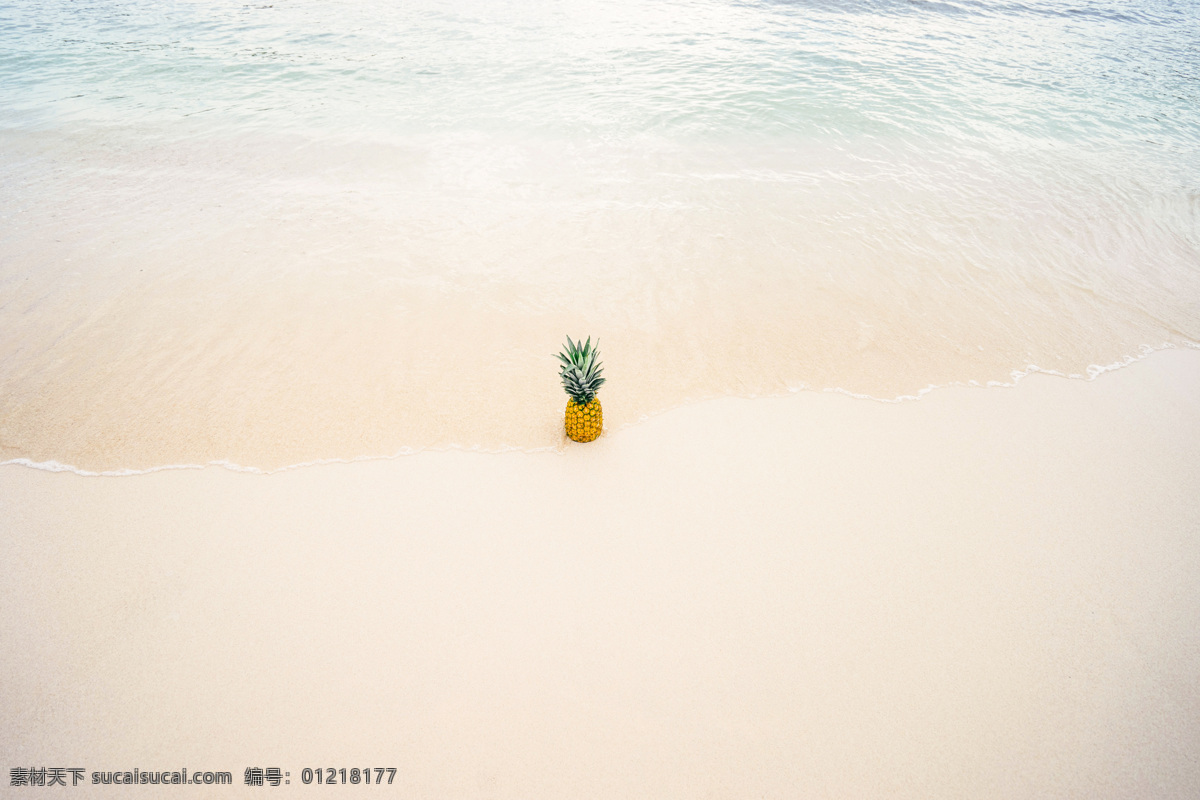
580, 370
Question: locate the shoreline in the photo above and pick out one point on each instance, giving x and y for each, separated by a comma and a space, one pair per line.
984, 594
1093, 372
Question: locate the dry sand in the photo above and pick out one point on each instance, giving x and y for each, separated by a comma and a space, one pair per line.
986, 593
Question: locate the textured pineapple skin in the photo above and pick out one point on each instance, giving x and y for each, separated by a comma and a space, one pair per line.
584, 422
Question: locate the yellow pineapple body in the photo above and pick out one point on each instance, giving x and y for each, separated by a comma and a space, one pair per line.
584, 422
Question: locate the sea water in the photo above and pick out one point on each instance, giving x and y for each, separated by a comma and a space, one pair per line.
272, 233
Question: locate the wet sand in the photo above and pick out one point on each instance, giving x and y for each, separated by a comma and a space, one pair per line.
984, 593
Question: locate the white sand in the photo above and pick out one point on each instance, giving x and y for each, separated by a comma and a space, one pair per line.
987, 593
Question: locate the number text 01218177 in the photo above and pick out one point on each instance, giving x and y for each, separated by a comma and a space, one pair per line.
326, 775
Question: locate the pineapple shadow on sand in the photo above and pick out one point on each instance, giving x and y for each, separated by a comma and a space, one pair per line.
581, 372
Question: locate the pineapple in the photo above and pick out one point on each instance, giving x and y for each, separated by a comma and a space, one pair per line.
580, 373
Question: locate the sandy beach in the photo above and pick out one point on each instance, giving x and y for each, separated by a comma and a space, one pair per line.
984, 593
284, 485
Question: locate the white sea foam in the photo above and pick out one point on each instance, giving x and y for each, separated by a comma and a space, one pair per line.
1093, 372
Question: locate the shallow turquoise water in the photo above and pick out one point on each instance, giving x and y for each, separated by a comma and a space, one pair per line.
228, 228
972, 74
